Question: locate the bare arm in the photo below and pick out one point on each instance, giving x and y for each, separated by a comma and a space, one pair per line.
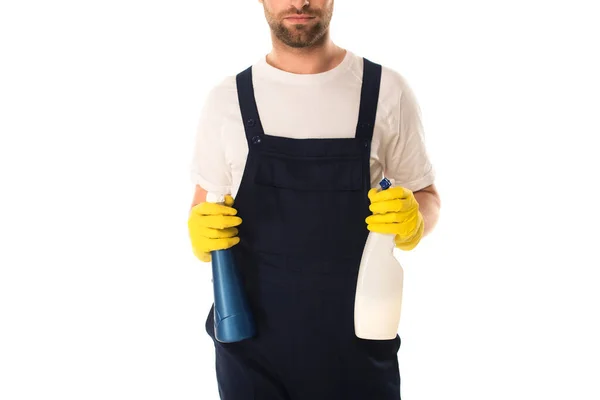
199, 196
429, 205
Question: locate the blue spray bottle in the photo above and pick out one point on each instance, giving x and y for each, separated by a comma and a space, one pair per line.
233, 319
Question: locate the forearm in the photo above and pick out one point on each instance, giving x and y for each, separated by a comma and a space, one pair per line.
429, 205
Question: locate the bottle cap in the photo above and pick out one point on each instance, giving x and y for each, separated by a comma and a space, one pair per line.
385, 184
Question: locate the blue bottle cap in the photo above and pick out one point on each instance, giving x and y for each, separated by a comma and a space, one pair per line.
385, 183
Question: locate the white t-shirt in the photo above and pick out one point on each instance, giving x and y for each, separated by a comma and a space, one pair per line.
323, 105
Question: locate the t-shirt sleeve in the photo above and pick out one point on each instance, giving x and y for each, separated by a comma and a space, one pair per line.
209, 167
407, 160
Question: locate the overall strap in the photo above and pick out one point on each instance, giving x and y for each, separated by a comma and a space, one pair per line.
250, 117
369, 96
367, 110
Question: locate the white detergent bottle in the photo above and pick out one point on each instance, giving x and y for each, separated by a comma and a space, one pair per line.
378, 299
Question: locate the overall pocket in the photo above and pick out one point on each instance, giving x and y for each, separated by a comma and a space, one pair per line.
310, 205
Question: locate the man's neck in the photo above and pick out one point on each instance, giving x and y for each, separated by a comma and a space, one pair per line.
311, 60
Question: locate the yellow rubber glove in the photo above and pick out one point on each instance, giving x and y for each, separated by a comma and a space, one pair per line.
212, 227
396, 210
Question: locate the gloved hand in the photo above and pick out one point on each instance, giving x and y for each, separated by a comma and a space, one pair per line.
212, 227
395, 210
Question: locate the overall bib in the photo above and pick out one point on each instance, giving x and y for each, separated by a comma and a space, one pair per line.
303, 203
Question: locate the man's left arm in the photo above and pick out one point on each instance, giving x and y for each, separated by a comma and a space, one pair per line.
410, 209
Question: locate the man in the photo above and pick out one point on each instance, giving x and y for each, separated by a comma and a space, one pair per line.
301, 139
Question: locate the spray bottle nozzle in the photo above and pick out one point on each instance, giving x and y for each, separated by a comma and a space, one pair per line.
385, 184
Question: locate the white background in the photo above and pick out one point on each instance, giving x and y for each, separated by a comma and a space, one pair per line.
100, 294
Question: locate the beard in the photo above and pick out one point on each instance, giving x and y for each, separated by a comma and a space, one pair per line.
301, 35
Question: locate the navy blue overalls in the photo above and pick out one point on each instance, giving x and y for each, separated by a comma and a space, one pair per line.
303, 203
